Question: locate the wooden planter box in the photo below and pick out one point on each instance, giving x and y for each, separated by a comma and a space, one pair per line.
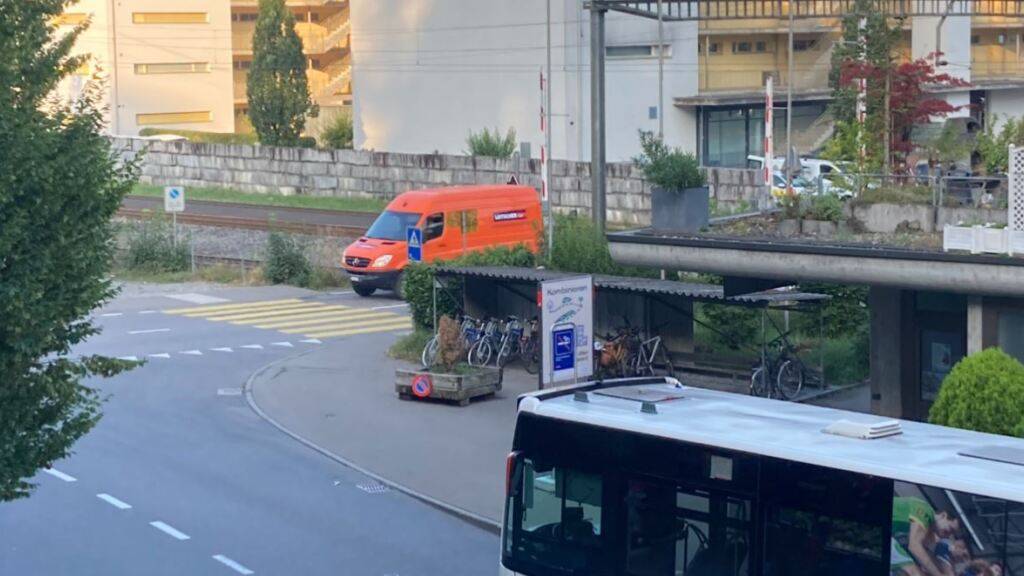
453, 387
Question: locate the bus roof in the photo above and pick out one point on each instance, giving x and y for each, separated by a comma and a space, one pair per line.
923, 453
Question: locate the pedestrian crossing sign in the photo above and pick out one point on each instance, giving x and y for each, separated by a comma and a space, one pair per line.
414, 242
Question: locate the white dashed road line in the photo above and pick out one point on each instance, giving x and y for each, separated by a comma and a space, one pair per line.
161, 355
225, 349
192, 353
389, 307
312, 341
112, 314
253, 346
58, 474
169, 530
149, 311
283, 344
232, 564
120, 505
152, 331
129, 358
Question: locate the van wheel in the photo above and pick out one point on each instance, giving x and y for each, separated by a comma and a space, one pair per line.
363, 290
399, 286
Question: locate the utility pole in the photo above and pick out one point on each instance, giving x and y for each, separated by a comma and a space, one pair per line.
789, 108
548, 139
661, 73
888, 120
597, 124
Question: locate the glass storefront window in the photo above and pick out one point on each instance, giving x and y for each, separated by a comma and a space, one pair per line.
1011, 333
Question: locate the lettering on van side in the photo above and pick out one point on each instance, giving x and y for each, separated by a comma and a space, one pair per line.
510, 215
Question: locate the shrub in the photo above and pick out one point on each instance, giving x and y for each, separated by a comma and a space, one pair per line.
825, 207
203, 137
846, 359
983, 392
580, 247
668, 168
286, 261
152, 249
410, 346
731, 327
419, 281
844, 315
493, 144
339, 133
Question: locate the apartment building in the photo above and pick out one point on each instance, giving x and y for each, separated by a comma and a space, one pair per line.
477, 66
324, 27
163, 63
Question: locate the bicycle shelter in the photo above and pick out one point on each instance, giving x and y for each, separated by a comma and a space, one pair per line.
661, 307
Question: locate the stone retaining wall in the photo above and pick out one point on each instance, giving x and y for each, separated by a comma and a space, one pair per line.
268, 169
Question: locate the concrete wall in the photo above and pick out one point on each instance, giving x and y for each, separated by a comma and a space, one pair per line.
267, 169
426, 73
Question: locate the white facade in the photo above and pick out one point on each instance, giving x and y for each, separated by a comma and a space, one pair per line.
164, 63
1004, 104
429, 72
954, 42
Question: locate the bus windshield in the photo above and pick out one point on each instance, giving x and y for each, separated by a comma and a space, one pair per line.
392, 225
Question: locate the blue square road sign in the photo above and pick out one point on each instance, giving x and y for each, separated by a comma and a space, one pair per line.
414, 243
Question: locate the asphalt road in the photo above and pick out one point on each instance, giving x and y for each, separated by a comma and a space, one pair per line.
313, 217
181, 477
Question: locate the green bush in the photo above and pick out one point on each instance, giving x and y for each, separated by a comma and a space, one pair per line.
846, 359
730, 327
285, 261
339, 133
493, 144
825, 207
152, 249
666, 167
983, 392
994, 148
203, 137
410, 347
419, 281
844, 315
579, 247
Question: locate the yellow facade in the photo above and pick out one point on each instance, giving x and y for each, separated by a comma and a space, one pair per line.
323, 26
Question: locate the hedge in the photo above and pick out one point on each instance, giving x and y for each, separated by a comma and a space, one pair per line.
983, 392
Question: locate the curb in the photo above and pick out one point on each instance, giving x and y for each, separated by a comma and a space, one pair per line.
460, 513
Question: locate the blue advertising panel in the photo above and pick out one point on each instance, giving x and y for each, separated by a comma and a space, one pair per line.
563, 339
414, 242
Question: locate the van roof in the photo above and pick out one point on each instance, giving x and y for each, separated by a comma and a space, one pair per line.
456, 193
923, 453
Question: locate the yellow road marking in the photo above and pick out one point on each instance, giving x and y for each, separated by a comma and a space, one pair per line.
330, 329
276, 311
225, 307
404, 326
311, 320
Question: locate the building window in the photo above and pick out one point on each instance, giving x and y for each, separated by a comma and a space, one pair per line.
1001, 39
975, 39
170, 18
637, 51
803, 45
243, 64
71, 19
173, 118
714, 48
741, 47
760, 47
173, 68
244, 16
314, 16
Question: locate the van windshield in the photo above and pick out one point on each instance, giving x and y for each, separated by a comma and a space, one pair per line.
392, 225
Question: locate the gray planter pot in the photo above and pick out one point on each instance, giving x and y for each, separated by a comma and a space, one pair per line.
457, 387
683, 211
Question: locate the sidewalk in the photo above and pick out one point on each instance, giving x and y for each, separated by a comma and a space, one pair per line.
341, 398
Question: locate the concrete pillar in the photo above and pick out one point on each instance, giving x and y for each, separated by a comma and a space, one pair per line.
975, 324
888, 351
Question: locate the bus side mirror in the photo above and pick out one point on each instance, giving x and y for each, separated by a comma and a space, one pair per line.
513, 474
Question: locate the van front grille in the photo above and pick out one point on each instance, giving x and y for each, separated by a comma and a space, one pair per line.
356, 262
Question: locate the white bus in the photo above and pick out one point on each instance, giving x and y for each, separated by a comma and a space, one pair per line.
645, 477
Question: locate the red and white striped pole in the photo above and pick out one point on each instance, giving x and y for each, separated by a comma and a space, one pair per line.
769, 131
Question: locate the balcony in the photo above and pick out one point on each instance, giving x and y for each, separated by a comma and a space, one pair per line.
330, 33
996, 57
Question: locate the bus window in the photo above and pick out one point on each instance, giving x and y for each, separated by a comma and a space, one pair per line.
674, 530
557, 520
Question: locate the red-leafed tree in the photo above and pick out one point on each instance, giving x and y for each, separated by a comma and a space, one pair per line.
914, 98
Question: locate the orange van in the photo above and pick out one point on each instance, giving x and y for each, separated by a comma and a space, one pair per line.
453, 220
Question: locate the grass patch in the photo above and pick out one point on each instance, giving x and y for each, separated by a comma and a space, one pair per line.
277, 200
895, 195
410, 347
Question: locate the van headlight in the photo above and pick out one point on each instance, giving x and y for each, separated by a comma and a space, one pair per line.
382, 261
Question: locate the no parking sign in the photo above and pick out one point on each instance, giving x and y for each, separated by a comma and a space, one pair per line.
422, 387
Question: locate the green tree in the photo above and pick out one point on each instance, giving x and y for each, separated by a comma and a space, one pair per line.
492, 144
983, 392
278, 91
60, 185
338, 134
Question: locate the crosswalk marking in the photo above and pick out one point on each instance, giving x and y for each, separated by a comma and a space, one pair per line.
223, 308
309, 319
266, 313
321, 319
386, 328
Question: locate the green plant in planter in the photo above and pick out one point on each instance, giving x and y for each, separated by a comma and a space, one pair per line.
825, 207
667, 167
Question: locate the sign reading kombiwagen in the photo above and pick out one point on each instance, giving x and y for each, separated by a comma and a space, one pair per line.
567, 319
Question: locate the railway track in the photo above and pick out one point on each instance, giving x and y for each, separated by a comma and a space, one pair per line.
307, 221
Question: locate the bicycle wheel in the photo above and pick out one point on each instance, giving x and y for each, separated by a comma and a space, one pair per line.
790, 380
531, 357
504, 353
480, 353
429, 354
758, 382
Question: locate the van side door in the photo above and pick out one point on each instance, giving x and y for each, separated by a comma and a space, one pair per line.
434, 243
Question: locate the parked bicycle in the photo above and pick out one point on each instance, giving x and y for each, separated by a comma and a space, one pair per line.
626, 353
780, 372
470, 332
519, 342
